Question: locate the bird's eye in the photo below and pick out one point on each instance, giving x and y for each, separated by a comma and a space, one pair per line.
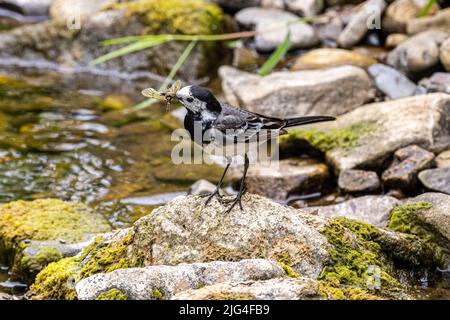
190, 99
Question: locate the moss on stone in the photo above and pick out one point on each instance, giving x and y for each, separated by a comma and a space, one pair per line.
176, 16
355, 250
57, 281
113, 294
330, 292
35, 263
344, 138
285, 261
158, 294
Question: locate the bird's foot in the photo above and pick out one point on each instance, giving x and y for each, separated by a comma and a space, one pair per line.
215, 193
235, 201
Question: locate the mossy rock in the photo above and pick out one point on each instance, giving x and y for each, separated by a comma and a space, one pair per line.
113, 294
27, 223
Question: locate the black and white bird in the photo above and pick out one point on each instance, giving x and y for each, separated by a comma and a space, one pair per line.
223, 125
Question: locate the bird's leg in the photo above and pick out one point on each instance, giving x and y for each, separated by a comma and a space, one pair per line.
217, 191
238, 198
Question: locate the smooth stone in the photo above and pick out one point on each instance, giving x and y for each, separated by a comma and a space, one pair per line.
283, 178
445, 54
438, 82
436, 179
370, 209
187, 231
261, 19
304, 8
418, 53
329, 57
274, 289
328, 27
201, 187
155, 200
141, 283
420, 120
394, 39
68, 10
331, 91
408, 162
440, 21
30, 7
357, 28
400, 12
443, 159
391, 82
355, 181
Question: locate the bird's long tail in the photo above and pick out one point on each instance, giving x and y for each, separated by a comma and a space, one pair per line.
292, 122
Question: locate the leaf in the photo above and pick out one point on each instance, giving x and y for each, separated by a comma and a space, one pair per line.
183, 57
426, 8
137, 46
276, 56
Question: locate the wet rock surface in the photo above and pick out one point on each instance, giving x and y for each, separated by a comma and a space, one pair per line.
408, 162
355, 181
288, 94
163, 282
436, 179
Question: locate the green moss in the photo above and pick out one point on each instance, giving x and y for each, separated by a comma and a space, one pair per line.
33, 264
113, 294
48, 219
158, 294
102, 257
355, 250
176, 16
330, 292
404, 218
285, 261
345, 138
57, 281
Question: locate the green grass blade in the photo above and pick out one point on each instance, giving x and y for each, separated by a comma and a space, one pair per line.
183, 57
137, 46
156, 37
276, 56
426, 8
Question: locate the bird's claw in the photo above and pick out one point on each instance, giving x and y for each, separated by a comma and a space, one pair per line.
215, 193
235, 201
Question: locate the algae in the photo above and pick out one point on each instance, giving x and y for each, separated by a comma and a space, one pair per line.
113, 294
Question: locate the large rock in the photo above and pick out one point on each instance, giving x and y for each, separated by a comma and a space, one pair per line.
56, 46
436, 179
408, 162
186, 231
391, 82
162, 282
273, 289
329, 58
284, 178
439, 21
35, 233
418, 53
445, 54
400, 12
370, 209
356, 181
360, 22
421, 120
288, 94
262, 19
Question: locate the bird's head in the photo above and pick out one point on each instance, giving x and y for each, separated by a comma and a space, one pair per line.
198, 99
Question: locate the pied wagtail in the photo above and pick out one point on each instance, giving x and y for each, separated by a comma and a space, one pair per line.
223, 124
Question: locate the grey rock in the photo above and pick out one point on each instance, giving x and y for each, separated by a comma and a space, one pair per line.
370, 209
391, 82
237, 4
418, 53
30, 7
201, 187
439, 21
141, 283
187, 231
332, 91
262, 19
304, 8
360, 22
400, 12
420, 120
436, 179
328, 27
402, 173
445, 54
5, 296
355, 181
443, 159
438, 82
283, 178
273, 289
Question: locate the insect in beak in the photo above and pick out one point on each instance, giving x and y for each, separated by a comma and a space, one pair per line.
169, 95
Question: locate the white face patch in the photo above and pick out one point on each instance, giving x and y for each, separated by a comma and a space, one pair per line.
190, 102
